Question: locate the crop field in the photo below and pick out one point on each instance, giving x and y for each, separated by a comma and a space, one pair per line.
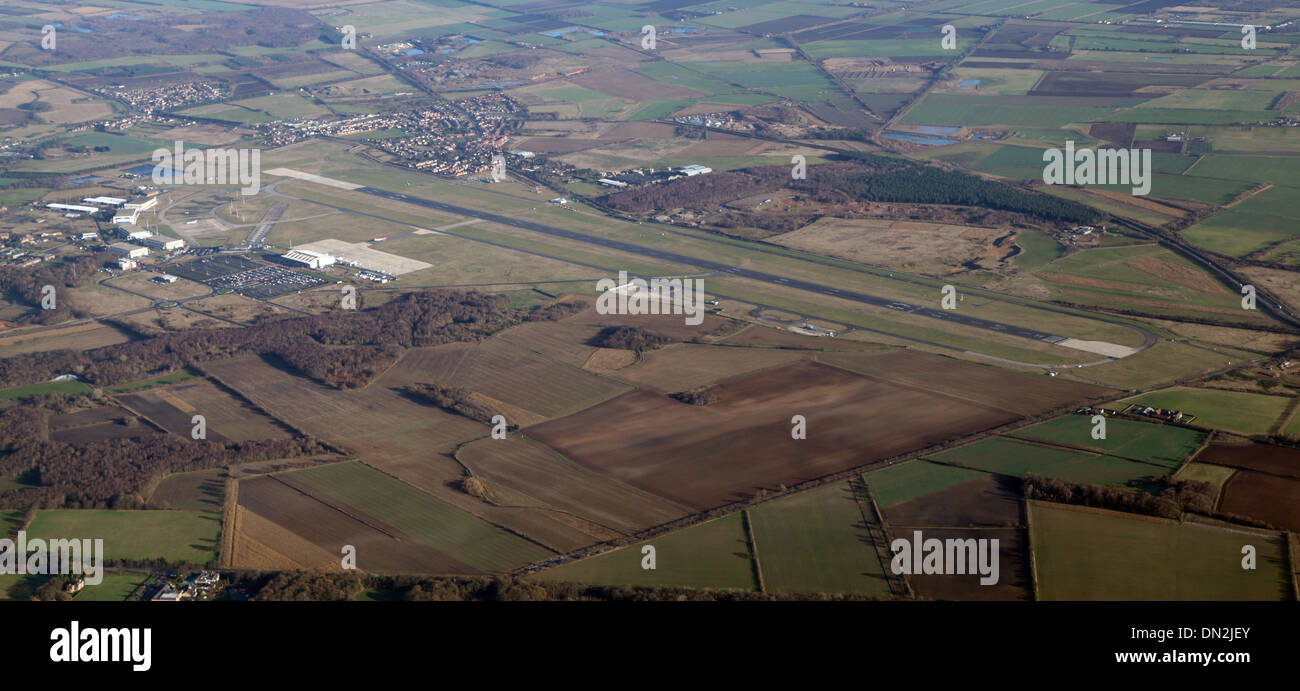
1023, 394
390, 431
1263, 497
1231, 411
201, 490
1016, 458
225, 416
1014, 580
687, 366
1146, 441
907, 481
379, 547
986, 500
376, 421
1093, 554
1264, 218
426, 520
533, 474
817, 542
709, 555
749, 432
530, 381
176, 536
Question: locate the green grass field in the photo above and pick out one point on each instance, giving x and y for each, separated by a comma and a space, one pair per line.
1231, 411
1155, 443
899, 483
815, 542
116, 587
709, 555
46, 388
430, 521
177, 536
1106, 555
1011, 457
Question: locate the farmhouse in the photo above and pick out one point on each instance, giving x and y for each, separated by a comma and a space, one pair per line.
611, 183
694, 169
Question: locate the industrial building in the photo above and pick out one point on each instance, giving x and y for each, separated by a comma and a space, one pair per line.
311, 260
73, 207
165, 244
128, 250
141, 206
106, 201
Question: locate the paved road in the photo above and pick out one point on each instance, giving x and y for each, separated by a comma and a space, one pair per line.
727, 269
268, 221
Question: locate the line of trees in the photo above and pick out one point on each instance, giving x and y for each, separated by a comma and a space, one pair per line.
1173, 500
317, 586
452, 399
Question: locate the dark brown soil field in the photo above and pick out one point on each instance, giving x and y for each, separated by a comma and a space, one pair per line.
155, 408
1025, 394
330, 529
1269, 498
98, 424
93, 416
1014, 580
1265, 458
994, 500
103, 432
706, 456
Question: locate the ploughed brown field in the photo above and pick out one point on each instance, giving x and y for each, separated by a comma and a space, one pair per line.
1014, 580
707, 456
1265, 458
993, 500
538, 476
1017, 392
1270, 498
380, 547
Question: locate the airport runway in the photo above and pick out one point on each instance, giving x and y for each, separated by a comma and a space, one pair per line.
718, 267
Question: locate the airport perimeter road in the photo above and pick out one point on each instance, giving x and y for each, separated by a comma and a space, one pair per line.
946, 315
